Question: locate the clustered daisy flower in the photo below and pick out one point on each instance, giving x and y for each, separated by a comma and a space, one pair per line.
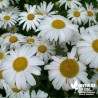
48, 47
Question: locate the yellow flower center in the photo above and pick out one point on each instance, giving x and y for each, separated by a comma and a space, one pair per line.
69, 68
1, 55
97, 82
76, 14
20, 64
42, 49
40, 13
90, 13
97, 69
95, 45
58, 24
30, 40
6, 17
13, 39
1, 0
1, 75
30, 16
16, 90
12, 29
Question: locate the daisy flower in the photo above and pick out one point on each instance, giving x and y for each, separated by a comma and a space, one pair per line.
7, 19
45, 50
30, 19
4, 3
88, 48
31, 40
57, 28
70, 3
94, 80
39, 94
45, 10
64, 71
77, 15
91, 13
14, 40
19, 66
16, 93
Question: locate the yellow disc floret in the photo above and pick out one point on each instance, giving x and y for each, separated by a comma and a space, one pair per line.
16, 90
95, 45
69, 68
1, 75
13, 39
1, 55
58, 24
30, 16
20, 64
42, 48
6, 17
76, 14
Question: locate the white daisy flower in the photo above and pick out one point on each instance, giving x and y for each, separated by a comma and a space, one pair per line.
64, 71
19, 66
39, 94
91, 13
4, 3
77, 15
88, 48
94, 80
70, 3
31, 40
30, 19
7, 19
57, 28
14, 40
45, 50
45, 10
16, 93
